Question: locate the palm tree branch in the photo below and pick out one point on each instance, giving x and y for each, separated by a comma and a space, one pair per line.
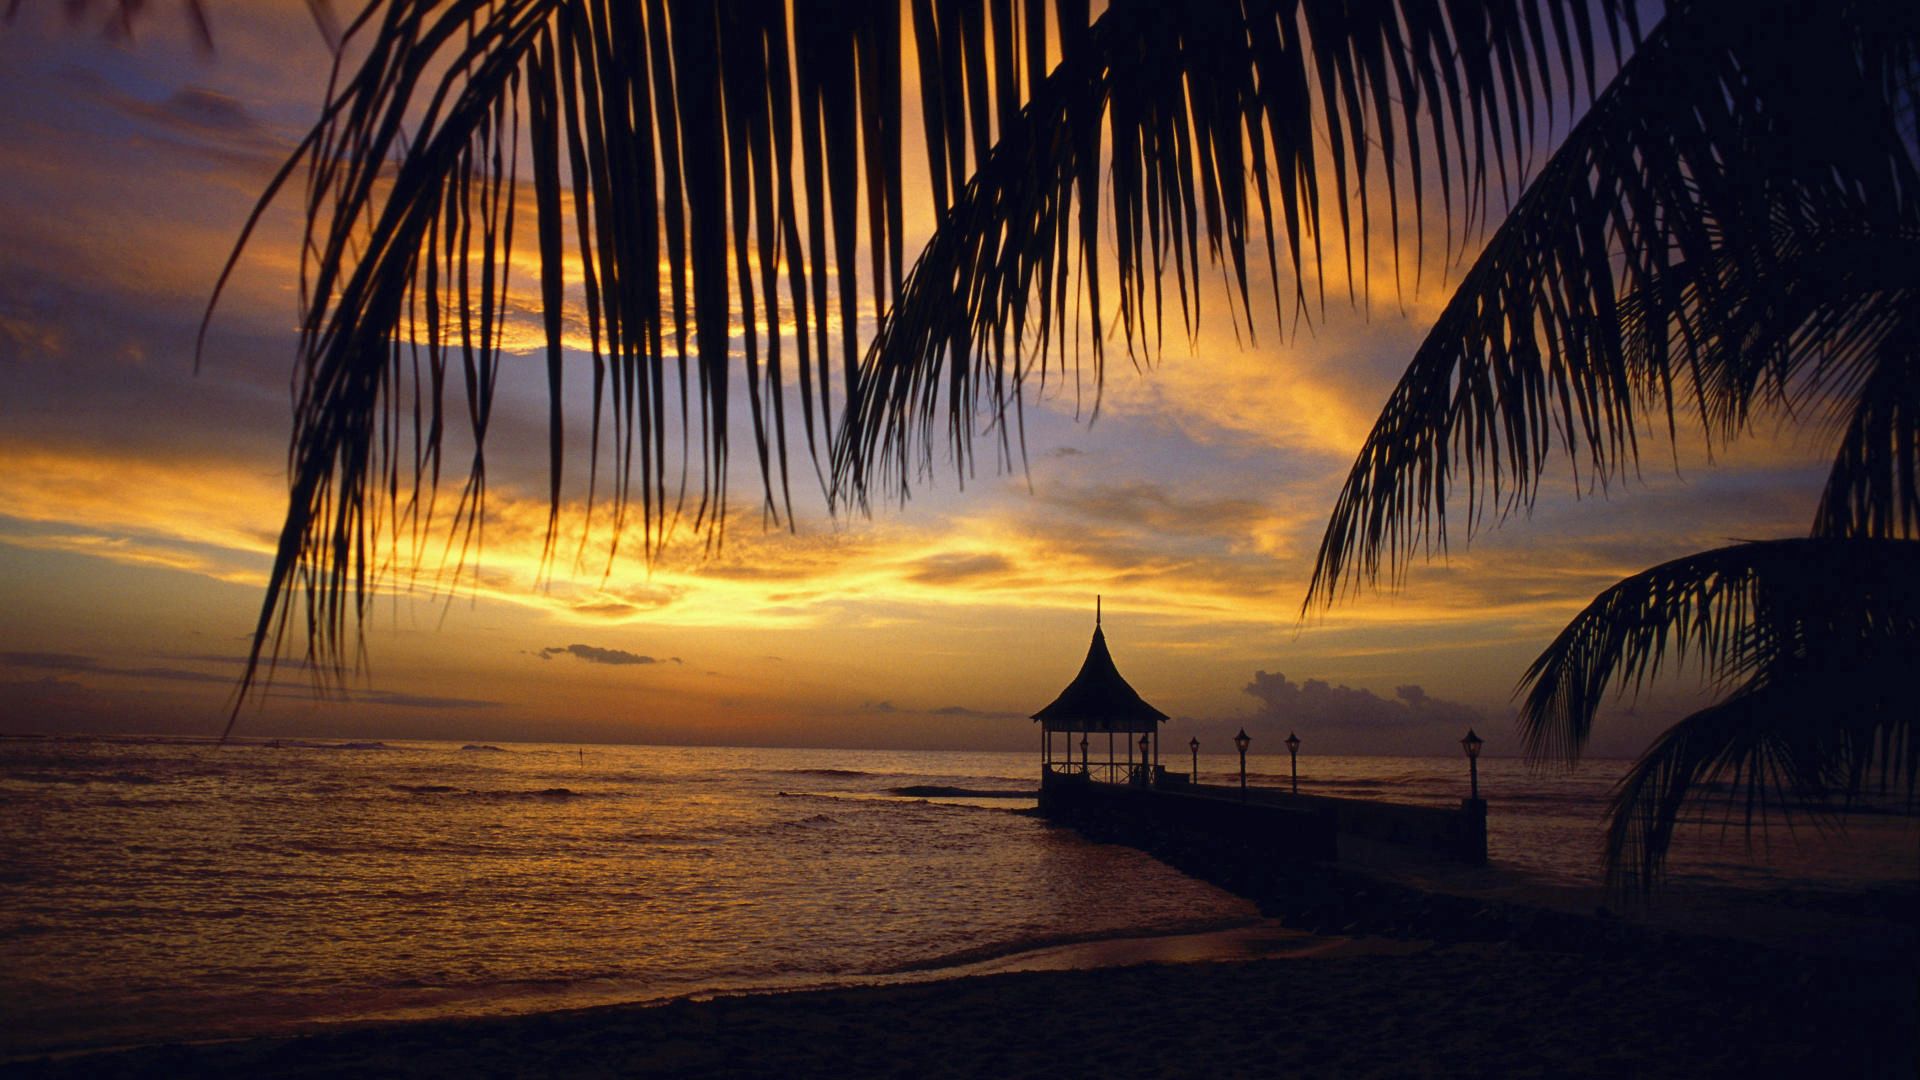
1752, 610
1673, 258
649, 134
1782, 744
1182, 102
1873, 489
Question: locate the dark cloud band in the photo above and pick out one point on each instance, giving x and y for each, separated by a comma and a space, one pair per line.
593, 654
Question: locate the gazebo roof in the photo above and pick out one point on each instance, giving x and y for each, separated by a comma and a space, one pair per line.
1098, 699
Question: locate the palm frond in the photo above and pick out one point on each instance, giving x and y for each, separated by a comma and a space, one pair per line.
1874, 487
682, 151
1718, 222
1785, 744
1776, 611
1211, 120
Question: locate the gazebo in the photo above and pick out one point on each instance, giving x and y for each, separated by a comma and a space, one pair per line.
1099, 700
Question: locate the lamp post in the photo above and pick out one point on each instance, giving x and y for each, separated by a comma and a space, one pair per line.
1083, 753
1472, 744
1146, 774
1293, 751
1194, 745
1240, 742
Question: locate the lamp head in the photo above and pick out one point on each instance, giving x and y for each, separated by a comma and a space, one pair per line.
1293, 743
1241, 740
1472, 744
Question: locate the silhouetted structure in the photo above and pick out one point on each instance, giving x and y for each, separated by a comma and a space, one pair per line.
1208, 826
1098, 700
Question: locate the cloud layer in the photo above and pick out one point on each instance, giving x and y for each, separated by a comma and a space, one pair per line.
595, 655
1347, 720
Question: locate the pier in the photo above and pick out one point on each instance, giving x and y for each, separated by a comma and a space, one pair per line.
1135, 800
1258, 823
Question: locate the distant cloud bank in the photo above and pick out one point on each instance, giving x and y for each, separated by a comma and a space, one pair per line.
1334, 719
593, 654
959, 711
1319, 703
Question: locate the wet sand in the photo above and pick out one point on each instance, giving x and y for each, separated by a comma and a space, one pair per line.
1362, 1007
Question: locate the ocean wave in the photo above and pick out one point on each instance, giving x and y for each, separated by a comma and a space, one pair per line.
940, 791
134, 778
47, 778
650, 838
1036, 942
27, 929
470, 986
297, 846
810, 822
818, 772
471, 793
484, 747
324, 787
310, 744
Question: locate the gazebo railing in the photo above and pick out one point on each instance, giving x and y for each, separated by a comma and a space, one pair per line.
1117, 772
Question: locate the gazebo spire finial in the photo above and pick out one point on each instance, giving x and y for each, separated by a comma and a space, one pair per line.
1096, 609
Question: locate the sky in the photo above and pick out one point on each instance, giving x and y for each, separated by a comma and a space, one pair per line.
140, 499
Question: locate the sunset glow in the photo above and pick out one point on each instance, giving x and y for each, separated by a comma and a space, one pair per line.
139, 502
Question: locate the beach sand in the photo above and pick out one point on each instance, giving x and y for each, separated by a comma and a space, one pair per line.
1463, 1009
1389, 965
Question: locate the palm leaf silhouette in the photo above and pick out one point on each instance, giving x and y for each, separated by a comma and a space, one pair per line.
1762, 611
1730, 229
653, 129
1707, 241
1816, 641
1745, 754
1207, 120
1871, 490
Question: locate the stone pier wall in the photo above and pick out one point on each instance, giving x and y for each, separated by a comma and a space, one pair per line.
1259, 823
1191, 823
1458, 833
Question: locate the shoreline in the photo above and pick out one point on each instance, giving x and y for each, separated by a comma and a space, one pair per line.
1389, 890
1425, 981
1373, 948
1472, 1008
1230, 940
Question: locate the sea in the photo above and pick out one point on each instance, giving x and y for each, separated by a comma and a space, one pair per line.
174, 889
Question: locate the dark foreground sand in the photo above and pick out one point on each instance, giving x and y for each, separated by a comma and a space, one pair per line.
1464, 1009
